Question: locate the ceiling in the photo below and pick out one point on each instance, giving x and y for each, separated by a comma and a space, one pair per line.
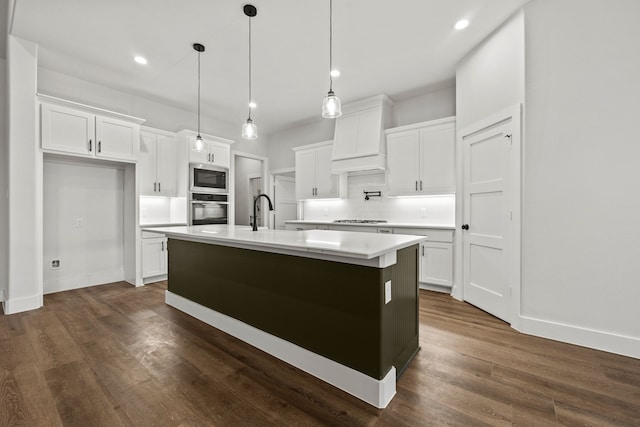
399, 48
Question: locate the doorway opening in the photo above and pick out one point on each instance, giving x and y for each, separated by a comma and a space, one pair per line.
248, 180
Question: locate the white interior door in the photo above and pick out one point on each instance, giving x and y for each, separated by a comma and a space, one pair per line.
491, 199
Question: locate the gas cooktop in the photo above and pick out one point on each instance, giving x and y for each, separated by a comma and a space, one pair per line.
360, 221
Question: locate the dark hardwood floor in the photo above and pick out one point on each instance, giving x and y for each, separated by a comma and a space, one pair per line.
116, 355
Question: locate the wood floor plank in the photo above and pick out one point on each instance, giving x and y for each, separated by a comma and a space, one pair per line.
39, 404
12, 410
118, 355
80, 400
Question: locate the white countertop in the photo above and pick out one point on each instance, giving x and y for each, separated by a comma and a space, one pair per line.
332, 242
389, 223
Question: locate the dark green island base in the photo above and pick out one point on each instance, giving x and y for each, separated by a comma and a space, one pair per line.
333, 309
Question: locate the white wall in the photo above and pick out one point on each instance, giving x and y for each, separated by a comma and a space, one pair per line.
581, 275
244, 168
24, 267
434, 210
4, 202
156, 115
434, 104
491, 77
83, 225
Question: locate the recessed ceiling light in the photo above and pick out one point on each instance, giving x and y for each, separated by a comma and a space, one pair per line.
335, 73
140, 60
252, 104
461, 24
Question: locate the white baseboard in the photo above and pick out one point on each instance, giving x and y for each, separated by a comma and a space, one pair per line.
606, 341
375, 392
436, 288
18, 305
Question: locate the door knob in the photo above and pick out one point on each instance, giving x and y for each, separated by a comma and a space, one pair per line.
465, 226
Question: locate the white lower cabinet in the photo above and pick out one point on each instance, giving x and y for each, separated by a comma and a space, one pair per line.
436, 263
154, 257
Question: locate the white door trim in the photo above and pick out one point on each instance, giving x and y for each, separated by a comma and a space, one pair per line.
514, 273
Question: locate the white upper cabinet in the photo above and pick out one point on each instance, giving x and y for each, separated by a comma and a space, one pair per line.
87, 131
216, 151
314, 179
421, 158
359, 135
157, 163
67, 130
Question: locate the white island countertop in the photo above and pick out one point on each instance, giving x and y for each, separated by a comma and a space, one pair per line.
341, 246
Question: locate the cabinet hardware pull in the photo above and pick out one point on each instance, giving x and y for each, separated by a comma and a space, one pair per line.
416, 185
159, 191
213, 157
162, 243
154, 187
99, 146
465, 226
420, 185
90, 146
422, 250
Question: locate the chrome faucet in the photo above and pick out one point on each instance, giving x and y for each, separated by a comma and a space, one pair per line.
255, 204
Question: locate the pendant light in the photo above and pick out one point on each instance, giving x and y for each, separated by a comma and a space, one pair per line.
331, 107
249, 129
199, 145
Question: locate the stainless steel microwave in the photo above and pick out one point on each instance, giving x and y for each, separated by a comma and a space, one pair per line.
205, 178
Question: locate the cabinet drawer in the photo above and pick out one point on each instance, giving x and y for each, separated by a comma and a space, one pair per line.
433, 234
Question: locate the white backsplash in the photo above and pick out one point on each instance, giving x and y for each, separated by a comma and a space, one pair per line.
433, 210
163, 210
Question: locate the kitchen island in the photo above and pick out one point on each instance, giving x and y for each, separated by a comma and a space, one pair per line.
342, 306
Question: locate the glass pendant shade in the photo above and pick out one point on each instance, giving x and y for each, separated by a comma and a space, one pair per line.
249, 130
199, 145
331, 107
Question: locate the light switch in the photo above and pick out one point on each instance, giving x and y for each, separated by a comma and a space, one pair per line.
387, 292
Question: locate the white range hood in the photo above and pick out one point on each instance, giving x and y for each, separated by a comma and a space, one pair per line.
359, 141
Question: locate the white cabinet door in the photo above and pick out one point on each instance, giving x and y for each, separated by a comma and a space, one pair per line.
219, 154
326, 182
154, 257
213, 153
436, 263
67, 130
305, 174
117, 139
403, 162
421, 159
437, 159
147, 165
166, 165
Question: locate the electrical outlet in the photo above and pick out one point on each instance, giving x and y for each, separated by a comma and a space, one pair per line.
387, 292
79, 222
55, 264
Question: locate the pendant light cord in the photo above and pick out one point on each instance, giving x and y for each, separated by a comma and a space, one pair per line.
249, 67
198, 93
330, 45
